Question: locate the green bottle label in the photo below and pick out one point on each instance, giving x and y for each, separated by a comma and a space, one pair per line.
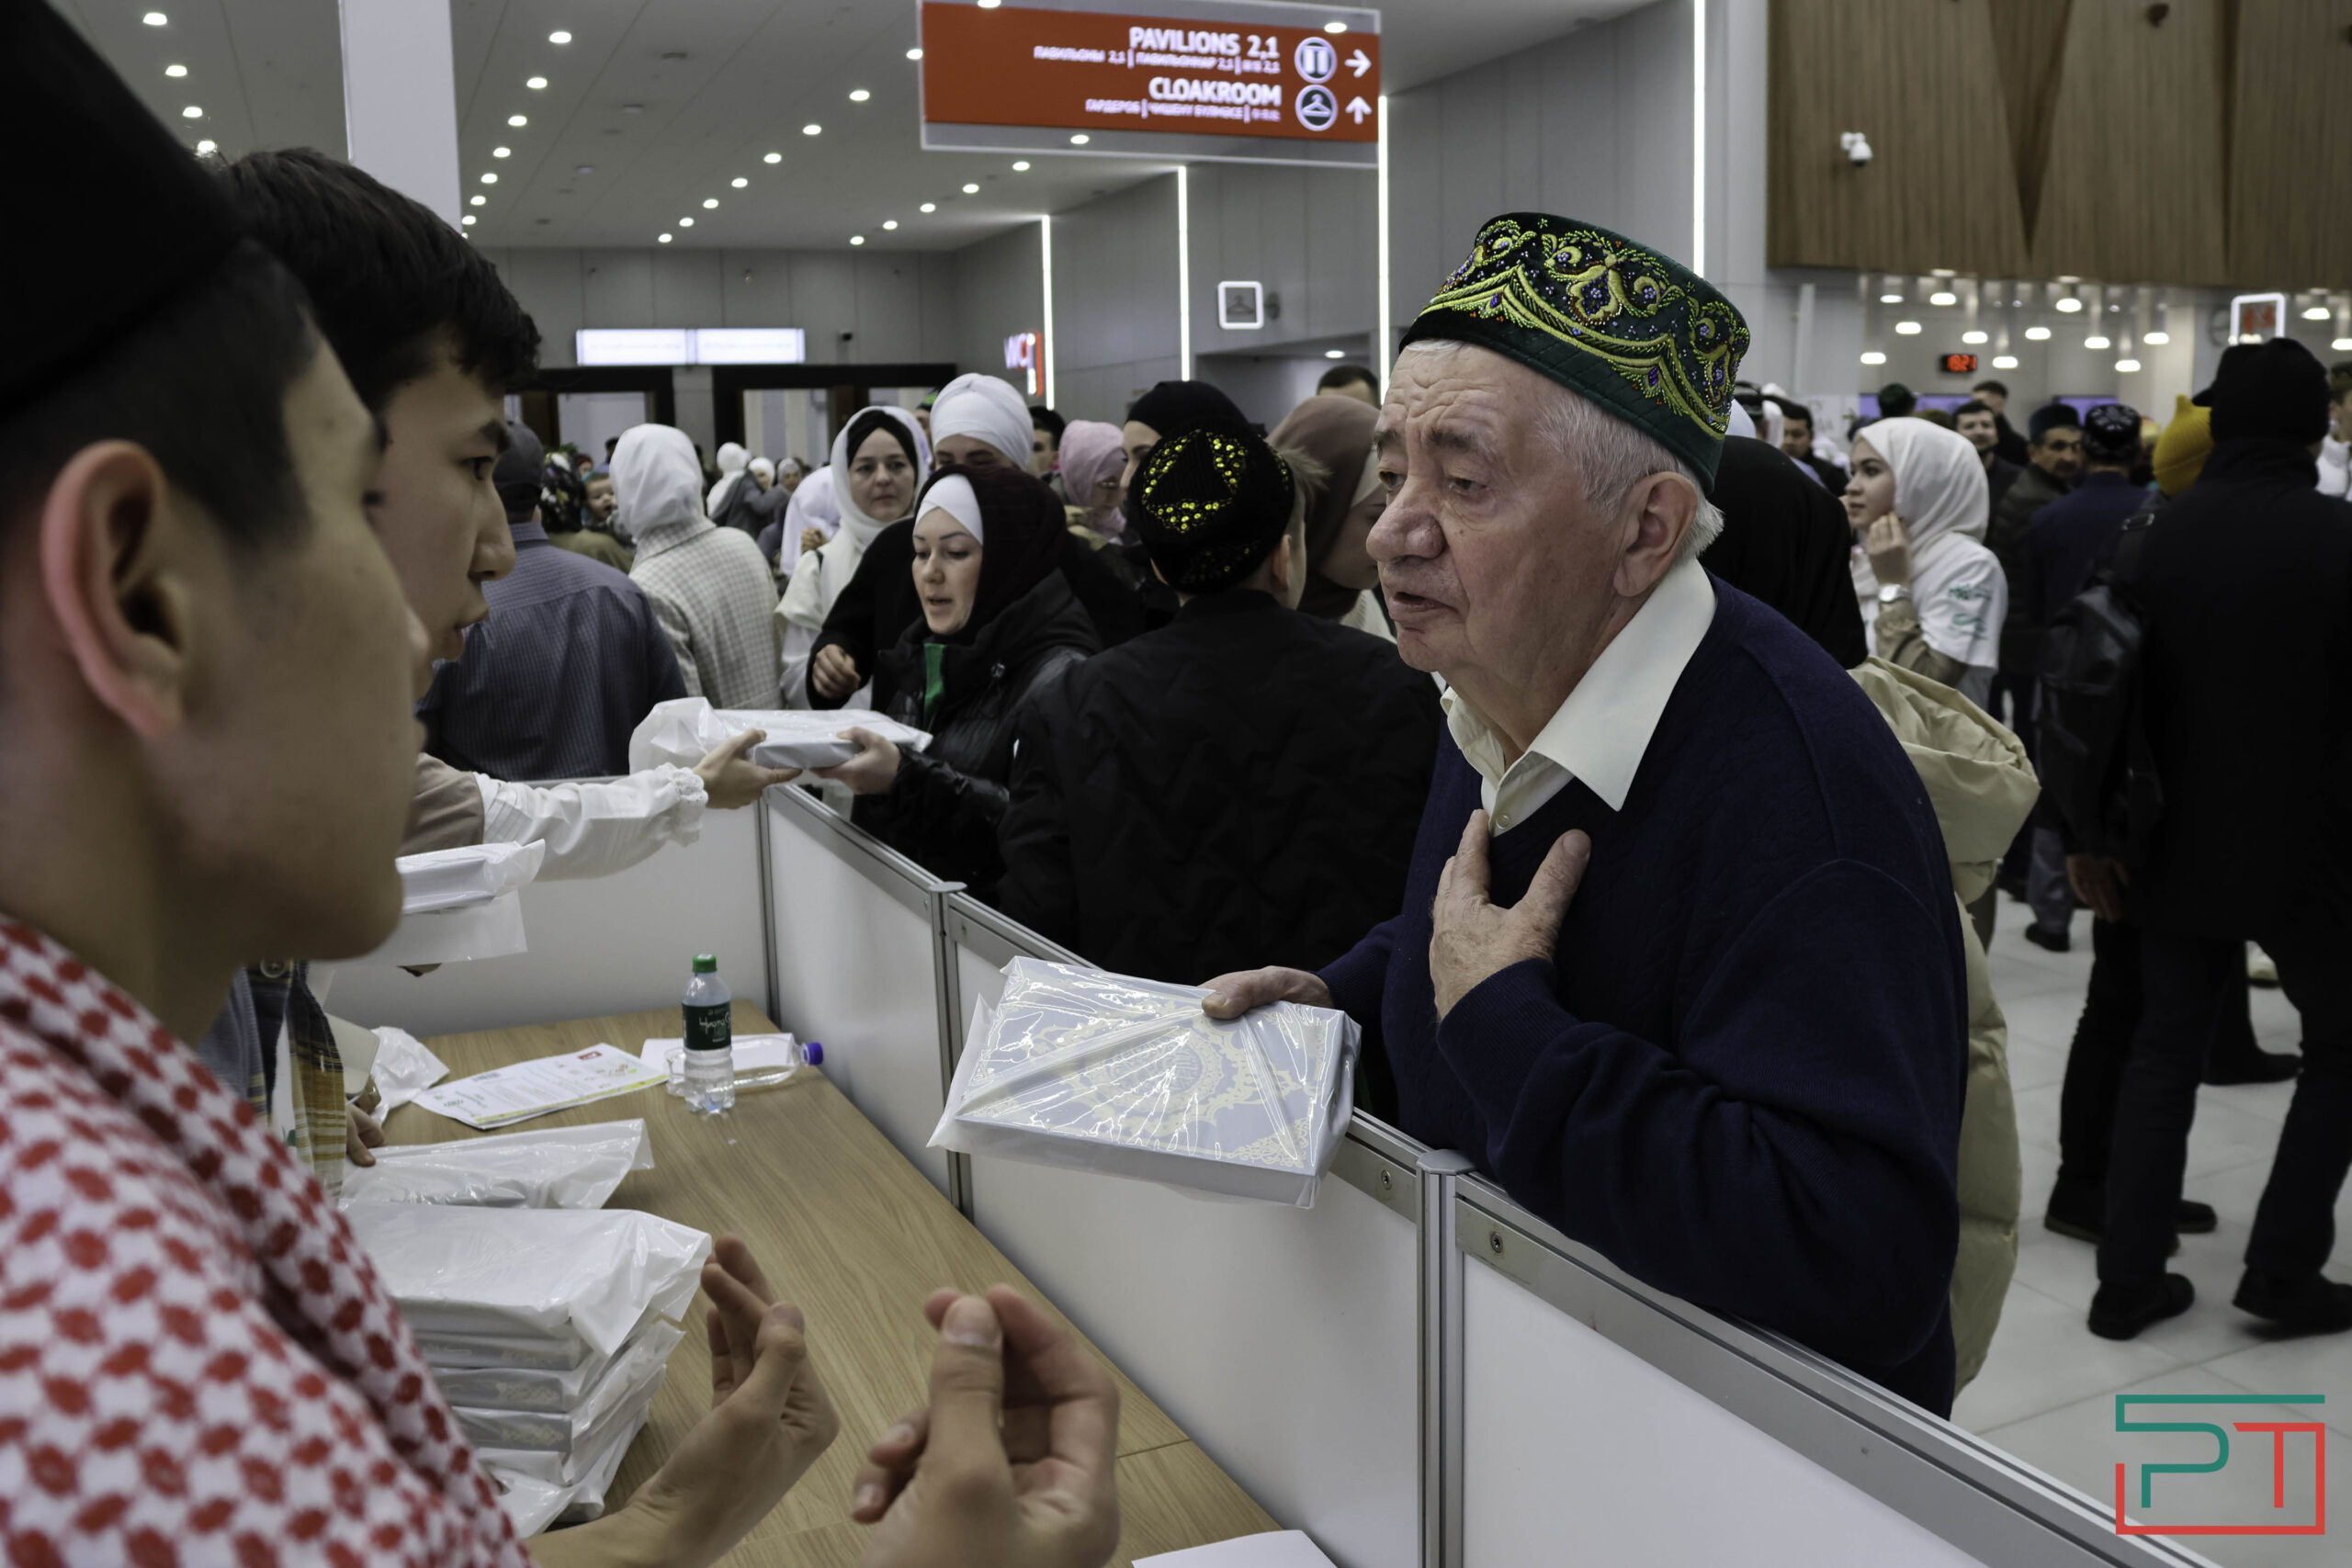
710, 1027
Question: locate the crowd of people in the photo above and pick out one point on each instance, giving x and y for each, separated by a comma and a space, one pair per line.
1617, 749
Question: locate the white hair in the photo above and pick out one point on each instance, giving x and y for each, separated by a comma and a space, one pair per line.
1609, 455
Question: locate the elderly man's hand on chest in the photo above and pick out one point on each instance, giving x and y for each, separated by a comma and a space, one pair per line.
1471, 938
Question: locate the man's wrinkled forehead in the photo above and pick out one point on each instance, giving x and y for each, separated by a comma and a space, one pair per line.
1455, 397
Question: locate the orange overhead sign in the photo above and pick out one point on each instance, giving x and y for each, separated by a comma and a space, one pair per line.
1096, 72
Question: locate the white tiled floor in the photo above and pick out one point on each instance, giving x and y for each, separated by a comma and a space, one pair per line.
2047, 1391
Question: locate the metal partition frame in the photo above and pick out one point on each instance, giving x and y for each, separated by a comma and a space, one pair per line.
1952, 1484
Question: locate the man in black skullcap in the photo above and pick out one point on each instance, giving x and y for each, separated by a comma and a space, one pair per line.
569, 663
2244, 587
1243, 781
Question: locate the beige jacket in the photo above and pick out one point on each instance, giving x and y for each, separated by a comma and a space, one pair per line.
1982, 787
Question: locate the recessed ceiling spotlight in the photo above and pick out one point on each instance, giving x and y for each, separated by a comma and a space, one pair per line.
1334, 27
1872, 356
1081, 140
773, 158
2037, 334
2341, 346
175, 71
2005, 362
2094, 340
860, 239
154, 19
889, 222
2070, 304
477, 200
1022, 167
559, 38
1890, 299
662, 239
2127, 366
989, 4
518, 120
929, 207
685, 223
1974, 337
192, 112
1909, 329
535, 83
739, 182
859, 96
971, 190
812, 131
1334, 354
2157, 338
489, 179
467, 221
2316, 312
501, 152
204, 148
584, 169
914, 54
1943, 297
708, 202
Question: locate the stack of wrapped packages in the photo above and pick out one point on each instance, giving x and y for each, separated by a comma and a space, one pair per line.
547, 1320
1104, 1072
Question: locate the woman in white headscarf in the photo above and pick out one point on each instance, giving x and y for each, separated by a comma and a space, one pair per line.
879, 463
733, 461
980, 421
1932, 595
810, 517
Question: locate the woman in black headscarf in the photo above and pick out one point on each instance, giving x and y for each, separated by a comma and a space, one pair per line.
1787, 541
998, 618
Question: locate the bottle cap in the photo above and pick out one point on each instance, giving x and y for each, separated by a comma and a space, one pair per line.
705, 964
816, 1053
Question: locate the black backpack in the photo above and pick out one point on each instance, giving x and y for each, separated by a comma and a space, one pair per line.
2099, 772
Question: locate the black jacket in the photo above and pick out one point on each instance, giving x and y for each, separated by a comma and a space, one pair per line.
1999, 475
879, 603
942, 810
2246, 584
2011, 447
2012, 521
1240, 787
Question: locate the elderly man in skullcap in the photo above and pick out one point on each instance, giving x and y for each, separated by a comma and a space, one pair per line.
1677, 963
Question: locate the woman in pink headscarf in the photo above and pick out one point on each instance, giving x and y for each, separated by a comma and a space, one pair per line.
1093, 470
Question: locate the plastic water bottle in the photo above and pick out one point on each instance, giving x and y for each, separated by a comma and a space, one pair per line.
710, 1040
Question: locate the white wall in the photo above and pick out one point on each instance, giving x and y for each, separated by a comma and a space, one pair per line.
1000, 291
1114, 299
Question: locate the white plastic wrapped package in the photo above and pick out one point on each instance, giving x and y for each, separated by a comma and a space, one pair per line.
1104, 1072
577, 1432
534, 1503
470, 874
558, 1167
404, 1068
685, 729
564, 1278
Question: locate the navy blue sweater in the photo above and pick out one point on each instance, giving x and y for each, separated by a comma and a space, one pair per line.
1741, 1076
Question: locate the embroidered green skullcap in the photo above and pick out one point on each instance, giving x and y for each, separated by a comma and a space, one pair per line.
1645, 337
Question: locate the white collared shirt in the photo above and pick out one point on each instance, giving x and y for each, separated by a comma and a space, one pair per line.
1600, 733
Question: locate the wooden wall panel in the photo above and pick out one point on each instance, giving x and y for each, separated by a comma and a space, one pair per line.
1921, 79
2030, 45
2132, 190
2291, 146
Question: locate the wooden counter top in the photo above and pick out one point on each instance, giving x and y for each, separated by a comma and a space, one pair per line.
855, 1235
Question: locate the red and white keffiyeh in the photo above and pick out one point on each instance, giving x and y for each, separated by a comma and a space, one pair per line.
197, 1364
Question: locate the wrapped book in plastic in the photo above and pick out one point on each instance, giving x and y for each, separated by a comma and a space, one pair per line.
683, 729
1101, 1072
556, 1168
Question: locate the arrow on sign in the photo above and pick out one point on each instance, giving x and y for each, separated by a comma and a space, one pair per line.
1359, 108
1359, 62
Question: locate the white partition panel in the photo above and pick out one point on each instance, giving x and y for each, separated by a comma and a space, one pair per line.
619, 943
854, 956
1576, 1449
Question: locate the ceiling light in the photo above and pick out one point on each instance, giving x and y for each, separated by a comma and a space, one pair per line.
1022, 167
685, 223
1081, 140
989, 4
2316, 312
192, 112
1896, 298
2341, 346
2157, 338
1872, 356
708, 202
929, 207
914, 54
860, 239
2037, 334
559, 38
1943, 297
467, 221
1909, 329
175, 71
890, 223
518, 120
2005, 362
535, 83
154, 19
2070, 304
773, 158
859, 96
812, 131
739, 182
1974, 337
584, 169
971, 190
662, 239
1334, 27
489, 179
204, 148
2127, 366
477, 201
501, 152
1334, 354
2097, 340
